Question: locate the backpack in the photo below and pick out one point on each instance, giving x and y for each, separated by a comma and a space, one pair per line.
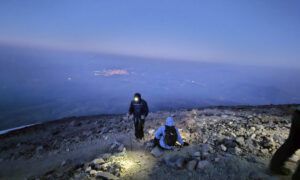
170, 135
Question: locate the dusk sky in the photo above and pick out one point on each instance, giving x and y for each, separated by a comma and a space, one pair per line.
252, 32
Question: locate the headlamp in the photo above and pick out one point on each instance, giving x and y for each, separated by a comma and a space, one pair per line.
136, 99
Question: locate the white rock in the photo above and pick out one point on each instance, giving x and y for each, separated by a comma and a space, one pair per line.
294, 158
238, 151
98, 161
298, 152
223, 147
151, 131
240, 140
265, 151
88, 169
93, 172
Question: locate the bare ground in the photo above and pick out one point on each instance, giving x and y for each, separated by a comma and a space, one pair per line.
67, 145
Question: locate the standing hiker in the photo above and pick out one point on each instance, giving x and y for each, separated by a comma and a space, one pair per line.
139, 109
287, 149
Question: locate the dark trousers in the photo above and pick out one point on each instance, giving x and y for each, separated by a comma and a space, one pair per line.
139, 127
288, 148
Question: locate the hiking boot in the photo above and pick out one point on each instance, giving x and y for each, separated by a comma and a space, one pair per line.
281, 171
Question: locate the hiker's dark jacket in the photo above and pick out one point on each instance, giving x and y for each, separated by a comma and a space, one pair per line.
289, 147
139, 108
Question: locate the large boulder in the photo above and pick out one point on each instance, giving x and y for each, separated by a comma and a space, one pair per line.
175, 161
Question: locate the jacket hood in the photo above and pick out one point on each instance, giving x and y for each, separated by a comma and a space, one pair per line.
170, 121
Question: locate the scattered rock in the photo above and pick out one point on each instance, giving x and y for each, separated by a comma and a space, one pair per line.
294, 158
267, 142
175, 161
149, 144
252, 129
237, 151
202, 164
151, 131
121, 148
116, 147
224, 148
65, 162
39, 149
88, 169
278, 139
98, 161
298, 152
75, 123
240, 140
106, 156
264, 151
195, 154
93, 172
191, 165
157, 151
255, 131
190, 122
106, 176
253, 136
206, 148
104, 130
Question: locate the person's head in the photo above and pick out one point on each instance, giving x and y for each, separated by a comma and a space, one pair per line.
170, 121
137, 97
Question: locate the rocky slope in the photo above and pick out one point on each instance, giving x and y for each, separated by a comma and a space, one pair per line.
225, 143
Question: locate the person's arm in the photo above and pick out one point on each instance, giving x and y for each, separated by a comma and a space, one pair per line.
159, 132
158, 135
163, 145
179, 139
131, 109
146, 109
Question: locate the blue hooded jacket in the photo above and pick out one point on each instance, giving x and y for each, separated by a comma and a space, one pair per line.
160, 134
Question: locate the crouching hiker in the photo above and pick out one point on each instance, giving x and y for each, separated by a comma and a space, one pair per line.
167, 136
